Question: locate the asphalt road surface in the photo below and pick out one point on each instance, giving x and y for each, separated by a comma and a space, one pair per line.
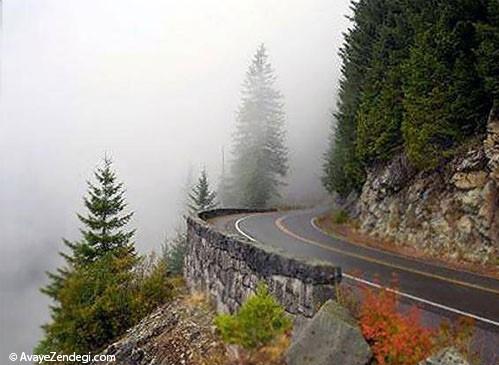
439, 291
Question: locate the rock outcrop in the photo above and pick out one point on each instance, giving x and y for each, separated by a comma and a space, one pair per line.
332, 336
453, 211
180, 332
491, 144
229, 268
447, 356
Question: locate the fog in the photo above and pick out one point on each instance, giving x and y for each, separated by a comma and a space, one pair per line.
154, 84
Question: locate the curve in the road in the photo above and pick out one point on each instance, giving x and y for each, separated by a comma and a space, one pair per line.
449, 290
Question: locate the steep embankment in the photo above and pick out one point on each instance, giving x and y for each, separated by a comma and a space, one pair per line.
180, 332
452, 211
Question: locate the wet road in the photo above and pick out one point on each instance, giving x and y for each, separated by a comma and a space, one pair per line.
440, 291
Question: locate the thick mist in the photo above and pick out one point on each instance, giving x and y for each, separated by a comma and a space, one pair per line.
155, 85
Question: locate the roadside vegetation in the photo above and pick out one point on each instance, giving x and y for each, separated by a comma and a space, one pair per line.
418, 78
341, 217
259, 333
105, 287
260, 330
399, 336
173, 253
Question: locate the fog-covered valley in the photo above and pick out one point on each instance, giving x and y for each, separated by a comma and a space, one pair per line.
155, 85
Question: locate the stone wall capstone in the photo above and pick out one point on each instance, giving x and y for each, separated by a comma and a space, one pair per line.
229, 268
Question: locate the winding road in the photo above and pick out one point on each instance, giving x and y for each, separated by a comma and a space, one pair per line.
439, 290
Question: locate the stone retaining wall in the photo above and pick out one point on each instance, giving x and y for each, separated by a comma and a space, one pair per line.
229, 268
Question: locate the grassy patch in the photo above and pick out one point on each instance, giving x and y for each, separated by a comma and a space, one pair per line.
340, 217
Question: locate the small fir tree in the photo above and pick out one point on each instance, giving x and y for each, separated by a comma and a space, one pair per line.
202, 197
91, 289
173, 252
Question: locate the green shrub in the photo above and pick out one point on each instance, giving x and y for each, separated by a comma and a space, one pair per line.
153, 287
340, 217
259, 321
101, 300
174, 253
95, 306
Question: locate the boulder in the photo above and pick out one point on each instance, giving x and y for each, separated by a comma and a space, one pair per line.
470, 180
331, 337
447, 356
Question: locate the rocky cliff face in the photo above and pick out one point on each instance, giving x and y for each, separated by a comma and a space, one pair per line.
180, 332
453, 211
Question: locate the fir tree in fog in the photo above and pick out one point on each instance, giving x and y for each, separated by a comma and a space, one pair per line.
104, 223
173, 253
259, 152
97, 268
202, 197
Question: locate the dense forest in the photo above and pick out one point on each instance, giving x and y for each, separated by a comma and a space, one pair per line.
419, 77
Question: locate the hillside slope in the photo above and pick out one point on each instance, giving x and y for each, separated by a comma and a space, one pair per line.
180, 332
451, 211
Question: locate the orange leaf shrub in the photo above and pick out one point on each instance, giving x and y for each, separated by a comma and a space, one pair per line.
395, 338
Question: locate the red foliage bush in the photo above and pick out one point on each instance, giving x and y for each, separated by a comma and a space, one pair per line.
395, 338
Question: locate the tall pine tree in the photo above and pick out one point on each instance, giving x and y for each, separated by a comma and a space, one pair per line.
445, 99
259, 153
380, 113
90, 296
343, 170
202, 197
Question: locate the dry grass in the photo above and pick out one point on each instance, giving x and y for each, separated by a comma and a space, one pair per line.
196, 299
271, 354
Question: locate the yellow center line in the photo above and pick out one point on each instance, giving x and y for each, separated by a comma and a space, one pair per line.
280, 225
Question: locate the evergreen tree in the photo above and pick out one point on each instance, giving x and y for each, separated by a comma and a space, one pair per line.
488, 51
173, 252
105, 220
259, 151
201, 197
380, 113
103, 226
94, 305
445, 100
343, 170
187, 189
418, 77
98, 267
